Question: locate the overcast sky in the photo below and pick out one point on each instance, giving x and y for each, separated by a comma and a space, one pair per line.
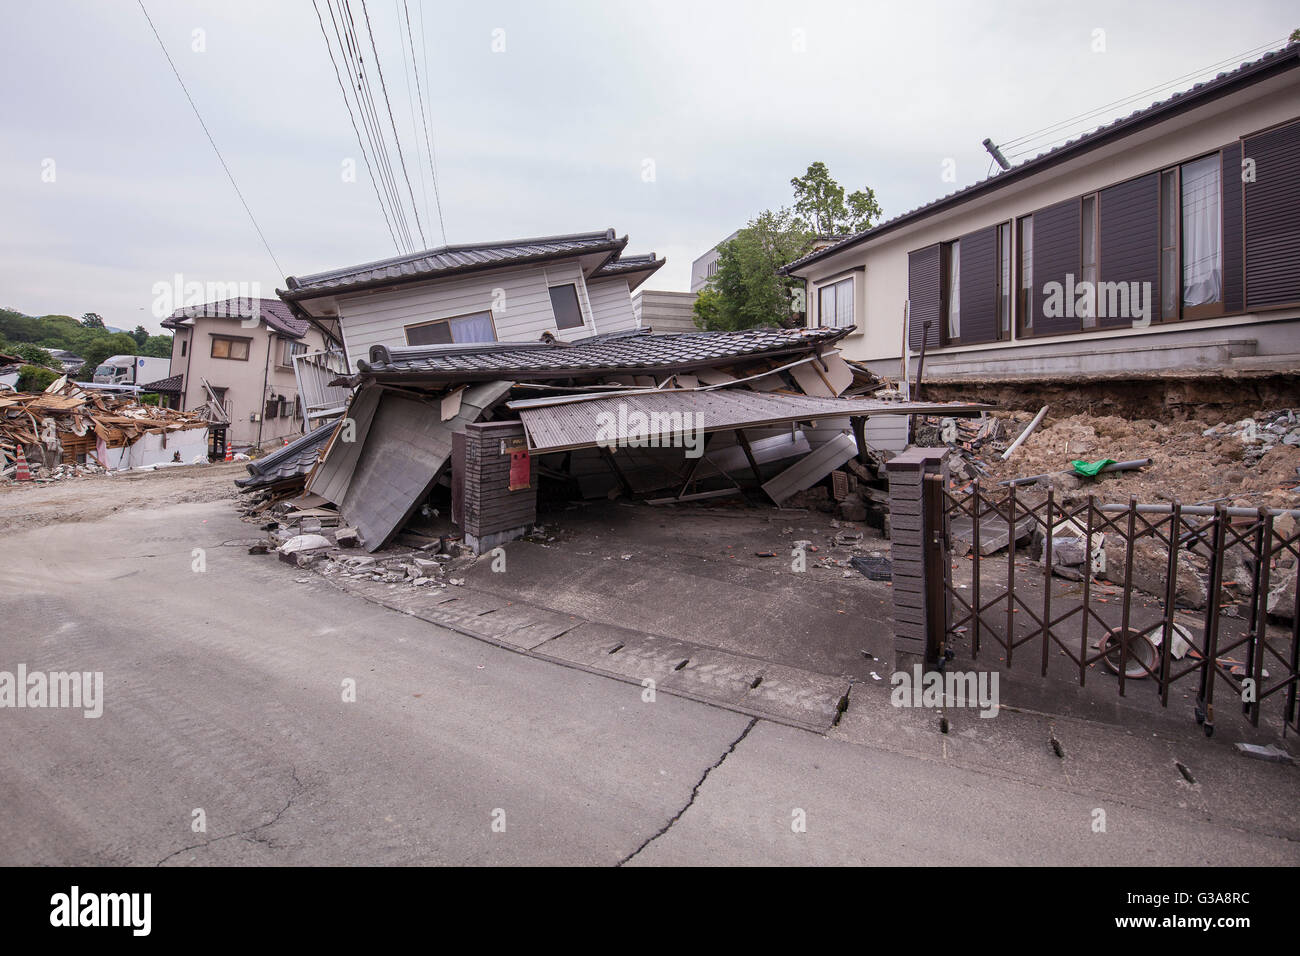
551, 134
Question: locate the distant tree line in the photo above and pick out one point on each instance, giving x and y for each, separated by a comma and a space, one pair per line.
33, 337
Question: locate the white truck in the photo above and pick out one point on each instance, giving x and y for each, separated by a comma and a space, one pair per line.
134, 370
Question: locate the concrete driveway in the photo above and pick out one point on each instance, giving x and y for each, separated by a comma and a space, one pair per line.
224, 693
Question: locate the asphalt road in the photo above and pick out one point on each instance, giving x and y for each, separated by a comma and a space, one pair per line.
224, 693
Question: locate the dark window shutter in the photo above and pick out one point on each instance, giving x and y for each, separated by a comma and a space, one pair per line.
1273, 218
1056, 255
923, 296
979, 286
1129, 216
1233, 274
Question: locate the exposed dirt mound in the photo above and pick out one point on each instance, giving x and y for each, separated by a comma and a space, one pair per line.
1235, 462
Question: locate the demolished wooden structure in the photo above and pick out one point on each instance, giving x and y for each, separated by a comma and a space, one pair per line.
655, 418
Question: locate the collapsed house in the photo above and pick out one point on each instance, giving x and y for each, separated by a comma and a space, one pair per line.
67, 429
657, 418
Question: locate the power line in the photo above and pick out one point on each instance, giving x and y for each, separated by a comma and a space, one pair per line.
229, 174
1045, 142
410, 106
388, 103
370, 119
353, 119
428, 140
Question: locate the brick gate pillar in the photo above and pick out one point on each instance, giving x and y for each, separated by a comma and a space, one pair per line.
910, 540
498, 492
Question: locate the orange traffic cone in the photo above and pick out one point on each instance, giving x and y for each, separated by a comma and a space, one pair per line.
230, 452
23, 473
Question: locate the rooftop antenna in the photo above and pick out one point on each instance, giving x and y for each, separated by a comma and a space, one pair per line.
996, 154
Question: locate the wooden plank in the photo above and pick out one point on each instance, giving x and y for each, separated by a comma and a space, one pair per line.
838, 375
810, 382
714, 376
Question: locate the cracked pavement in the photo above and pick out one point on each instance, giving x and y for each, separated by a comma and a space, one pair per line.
224, 692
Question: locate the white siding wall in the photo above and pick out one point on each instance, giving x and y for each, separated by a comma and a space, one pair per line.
611, 305
517, 298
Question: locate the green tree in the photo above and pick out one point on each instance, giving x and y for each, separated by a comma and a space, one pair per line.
118, 343
820, 203
157, 346
708, 309
34, 378
750, 292
92, 320
36, 355
1295, 36
141, 336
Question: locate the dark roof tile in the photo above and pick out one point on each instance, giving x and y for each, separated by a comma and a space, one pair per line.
630, 351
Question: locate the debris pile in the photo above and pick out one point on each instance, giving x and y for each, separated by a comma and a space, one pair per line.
1251, 463
67, 431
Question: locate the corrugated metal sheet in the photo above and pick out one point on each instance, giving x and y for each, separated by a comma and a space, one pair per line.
618, 419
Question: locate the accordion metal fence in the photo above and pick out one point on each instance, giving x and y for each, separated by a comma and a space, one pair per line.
1003, 607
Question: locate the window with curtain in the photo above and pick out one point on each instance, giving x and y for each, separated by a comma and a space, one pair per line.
835, 304
1191, 240
460, 330
952, 294
1202, 233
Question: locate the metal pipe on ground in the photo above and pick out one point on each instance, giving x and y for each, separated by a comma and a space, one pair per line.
1113, 466
1201, 511
1024, 434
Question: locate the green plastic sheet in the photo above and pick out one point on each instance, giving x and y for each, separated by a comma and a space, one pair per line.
1091, 468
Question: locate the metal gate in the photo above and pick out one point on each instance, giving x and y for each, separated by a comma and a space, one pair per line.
1018, 604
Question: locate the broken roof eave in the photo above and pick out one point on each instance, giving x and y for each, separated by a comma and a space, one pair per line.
1267, 67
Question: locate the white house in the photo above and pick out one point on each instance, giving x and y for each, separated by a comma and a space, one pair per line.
569, 287
1182, 219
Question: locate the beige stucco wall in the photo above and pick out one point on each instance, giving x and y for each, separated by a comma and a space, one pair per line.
243, 381
881, 302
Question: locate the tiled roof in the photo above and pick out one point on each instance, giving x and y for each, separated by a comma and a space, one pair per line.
450, 260
272, 311
294, 459
622, 264
609, 354
1188, 99
174, 384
